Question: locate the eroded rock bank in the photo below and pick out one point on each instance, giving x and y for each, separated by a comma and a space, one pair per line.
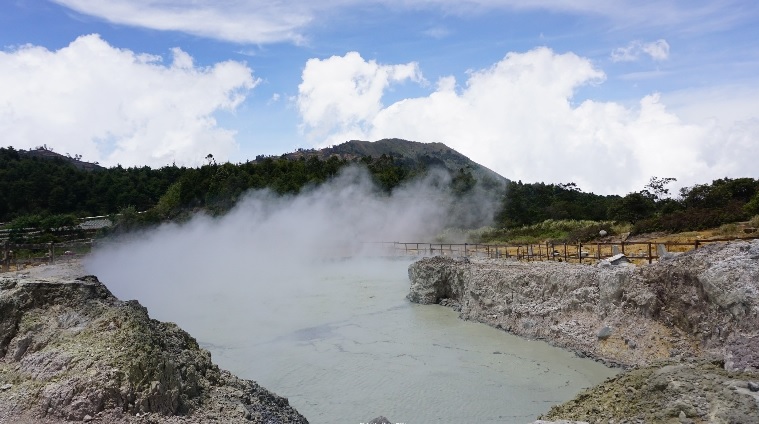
71, 351
702, 302
687, 391
691, 315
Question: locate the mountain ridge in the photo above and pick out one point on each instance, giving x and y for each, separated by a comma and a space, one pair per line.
408, 153
46, 153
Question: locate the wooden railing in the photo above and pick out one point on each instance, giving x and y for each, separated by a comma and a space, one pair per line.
565, 252
18, 255
21, 254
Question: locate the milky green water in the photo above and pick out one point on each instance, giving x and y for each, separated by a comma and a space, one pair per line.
344, 345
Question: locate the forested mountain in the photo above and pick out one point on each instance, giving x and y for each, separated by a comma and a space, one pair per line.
410, 155
42, 182
44, 152
39, 184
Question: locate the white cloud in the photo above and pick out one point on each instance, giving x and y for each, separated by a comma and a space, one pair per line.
438, 32
232, 20
518, 118
260, 21
658, 50
344, 91
117, 106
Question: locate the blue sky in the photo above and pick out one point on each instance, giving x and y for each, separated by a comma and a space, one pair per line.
602, 93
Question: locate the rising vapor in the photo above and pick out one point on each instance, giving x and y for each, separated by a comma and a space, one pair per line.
270, 246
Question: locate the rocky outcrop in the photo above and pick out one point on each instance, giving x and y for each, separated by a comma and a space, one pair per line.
701, 303
69, 350
687, 328
669, 392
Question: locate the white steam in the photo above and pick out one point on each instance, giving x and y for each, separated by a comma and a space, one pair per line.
268, 238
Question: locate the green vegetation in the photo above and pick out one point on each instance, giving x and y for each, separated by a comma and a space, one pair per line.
558, 231
33, 187
700, 207
49, 192
528, 204
43, 228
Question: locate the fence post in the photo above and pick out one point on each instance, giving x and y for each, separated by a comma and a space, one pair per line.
650, 259
565, 252
50, 252
623, 248
5, 265
695, 244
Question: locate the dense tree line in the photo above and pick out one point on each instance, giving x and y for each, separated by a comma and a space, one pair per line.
526, 204
698, 207
32, 185
39, 187
34, 189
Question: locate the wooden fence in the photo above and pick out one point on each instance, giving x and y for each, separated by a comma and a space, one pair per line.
19, 255
636, 252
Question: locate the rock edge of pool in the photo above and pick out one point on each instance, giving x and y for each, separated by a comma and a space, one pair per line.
686, 329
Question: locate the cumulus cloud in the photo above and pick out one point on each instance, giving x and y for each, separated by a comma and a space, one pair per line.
519, 118
658, 50
344, 91
117, 106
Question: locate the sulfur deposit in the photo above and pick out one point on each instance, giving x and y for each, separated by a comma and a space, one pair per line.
71, 351
691, 320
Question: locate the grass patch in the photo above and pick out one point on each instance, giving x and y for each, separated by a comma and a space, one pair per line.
730, 229
558, 231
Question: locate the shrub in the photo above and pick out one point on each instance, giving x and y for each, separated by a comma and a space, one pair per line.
728, 229
552, 230
692, 219
588, 233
